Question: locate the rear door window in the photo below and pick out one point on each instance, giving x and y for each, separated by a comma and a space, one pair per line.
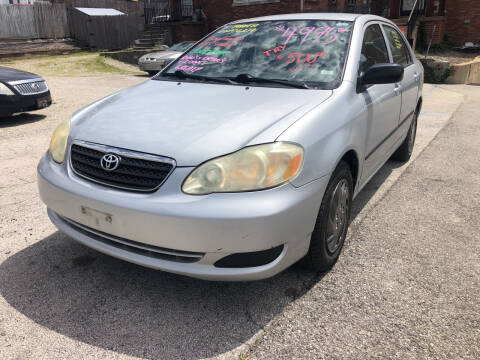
398, 47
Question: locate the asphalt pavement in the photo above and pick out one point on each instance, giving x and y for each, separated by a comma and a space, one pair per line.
406, 285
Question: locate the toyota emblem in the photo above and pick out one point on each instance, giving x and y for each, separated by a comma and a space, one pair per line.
109, 162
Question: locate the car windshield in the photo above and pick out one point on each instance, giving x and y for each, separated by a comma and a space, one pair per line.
181, 46
307, 52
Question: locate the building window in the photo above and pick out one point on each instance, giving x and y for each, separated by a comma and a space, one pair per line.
407, 6
253, 2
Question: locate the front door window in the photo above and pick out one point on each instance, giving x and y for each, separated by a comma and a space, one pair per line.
374, 50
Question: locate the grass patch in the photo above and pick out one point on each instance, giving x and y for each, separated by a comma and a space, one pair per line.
89, 65
78, 64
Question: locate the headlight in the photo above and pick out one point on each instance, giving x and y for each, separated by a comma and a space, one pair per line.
4, 90
58, 143
252, 168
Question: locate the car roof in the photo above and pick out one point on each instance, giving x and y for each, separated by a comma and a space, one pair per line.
314, 16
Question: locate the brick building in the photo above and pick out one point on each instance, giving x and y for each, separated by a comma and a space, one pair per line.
463, 21
459, 20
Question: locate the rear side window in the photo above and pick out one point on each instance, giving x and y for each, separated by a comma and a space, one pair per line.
374, 49
398, 47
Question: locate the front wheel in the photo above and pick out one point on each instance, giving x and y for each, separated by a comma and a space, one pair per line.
332, 221
404, 152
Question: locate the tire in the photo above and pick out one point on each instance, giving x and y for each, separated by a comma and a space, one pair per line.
404, 151
151, 73
323, 254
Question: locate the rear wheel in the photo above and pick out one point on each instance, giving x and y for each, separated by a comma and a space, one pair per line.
332, 221
404, 152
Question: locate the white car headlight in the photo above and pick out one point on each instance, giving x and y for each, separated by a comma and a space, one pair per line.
252, 168
58, 143
4, 90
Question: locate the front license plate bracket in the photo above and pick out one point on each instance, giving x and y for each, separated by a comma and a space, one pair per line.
95, 217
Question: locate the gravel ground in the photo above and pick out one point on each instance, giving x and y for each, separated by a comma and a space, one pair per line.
61, 300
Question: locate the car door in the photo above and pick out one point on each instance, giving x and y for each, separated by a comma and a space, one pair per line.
382, 102
411, 78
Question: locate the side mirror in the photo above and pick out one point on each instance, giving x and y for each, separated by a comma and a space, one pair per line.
382, 74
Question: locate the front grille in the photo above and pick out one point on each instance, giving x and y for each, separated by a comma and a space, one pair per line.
31, 88
136, 171
134, 246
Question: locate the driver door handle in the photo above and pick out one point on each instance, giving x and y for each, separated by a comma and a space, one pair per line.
398, 89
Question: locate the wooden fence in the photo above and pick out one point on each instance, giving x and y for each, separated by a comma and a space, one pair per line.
38, 21
51, 21
57, 21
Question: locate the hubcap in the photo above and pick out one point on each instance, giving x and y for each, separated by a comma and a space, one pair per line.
337, 215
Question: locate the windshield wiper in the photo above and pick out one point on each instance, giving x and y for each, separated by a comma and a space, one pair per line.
179, 74
247, 78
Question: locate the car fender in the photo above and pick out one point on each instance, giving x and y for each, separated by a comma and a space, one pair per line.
328, 132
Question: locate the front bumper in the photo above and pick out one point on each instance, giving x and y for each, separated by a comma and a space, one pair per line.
21, 103
214, 226
151, 65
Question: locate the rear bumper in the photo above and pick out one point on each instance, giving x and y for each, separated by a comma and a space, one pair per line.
21, 103
215, 226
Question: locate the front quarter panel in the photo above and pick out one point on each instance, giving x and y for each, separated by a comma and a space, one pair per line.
328, 132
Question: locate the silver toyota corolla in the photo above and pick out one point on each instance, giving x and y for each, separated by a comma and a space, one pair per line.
243, 156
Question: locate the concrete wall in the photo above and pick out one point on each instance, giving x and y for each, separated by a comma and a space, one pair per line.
466, 73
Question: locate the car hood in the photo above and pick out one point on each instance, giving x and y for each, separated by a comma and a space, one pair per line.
192, 122
164, 54
9, 74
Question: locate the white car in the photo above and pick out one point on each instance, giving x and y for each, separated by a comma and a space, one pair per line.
152, 63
